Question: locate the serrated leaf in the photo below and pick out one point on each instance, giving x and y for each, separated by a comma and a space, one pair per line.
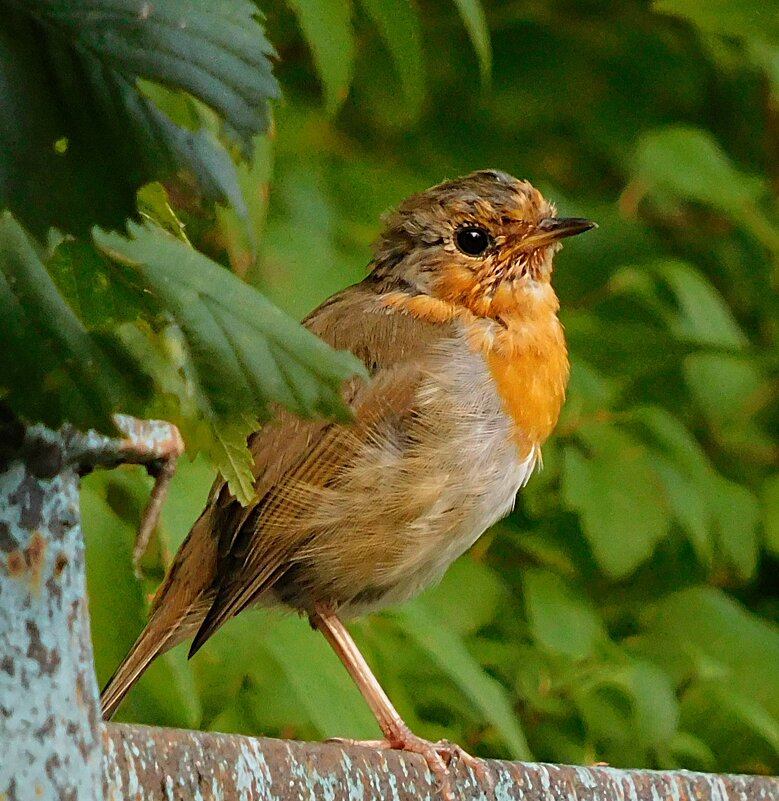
177, 398
93, 288
398, 24
619, 497
51, 368
327, 27
235, 460
475, 21
246, 352
80, 137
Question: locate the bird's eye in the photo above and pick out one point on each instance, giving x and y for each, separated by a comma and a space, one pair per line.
472, 240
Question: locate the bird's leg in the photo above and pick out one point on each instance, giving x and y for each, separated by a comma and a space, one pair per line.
397, 734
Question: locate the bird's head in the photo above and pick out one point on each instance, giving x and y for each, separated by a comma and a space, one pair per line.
483, 241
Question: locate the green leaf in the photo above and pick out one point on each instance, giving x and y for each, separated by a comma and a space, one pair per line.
722, 384
687, 475
737, 515
79, 136
689, 163
242, 235
319, 680
715, 628
398, 25
51, 368
98, 293
486, 592
244, 352
727, 18
688, 502
770, 507
635, 703
619, 497
166, 694
234, 459
451, 656
327, 27
561, 619
472, 14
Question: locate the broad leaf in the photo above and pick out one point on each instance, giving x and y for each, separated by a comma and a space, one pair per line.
398, 25
78, 135
619, 497
243, 353
51, 368
561, 619
327, 27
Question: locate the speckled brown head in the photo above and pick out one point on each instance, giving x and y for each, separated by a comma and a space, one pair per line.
472, 239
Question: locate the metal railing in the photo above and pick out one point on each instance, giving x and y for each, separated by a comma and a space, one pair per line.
55, 747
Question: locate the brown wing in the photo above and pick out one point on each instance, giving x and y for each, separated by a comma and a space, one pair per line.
254, 545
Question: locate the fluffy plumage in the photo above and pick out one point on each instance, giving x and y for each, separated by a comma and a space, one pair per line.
469, 369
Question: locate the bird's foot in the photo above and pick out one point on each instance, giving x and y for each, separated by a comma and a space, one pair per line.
439, 756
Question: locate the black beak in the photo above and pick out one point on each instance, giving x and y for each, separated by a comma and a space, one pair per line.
552, 229
561, 227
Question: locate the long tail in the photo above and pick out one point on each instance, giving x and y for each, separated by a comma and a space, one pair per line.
158, 636
178, 610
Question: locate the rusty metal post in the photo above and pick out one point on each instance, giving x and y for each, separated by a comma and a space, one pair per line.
49, 712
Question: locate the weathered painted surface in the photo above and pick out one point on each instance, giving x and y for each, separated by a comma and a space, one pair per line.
143, 763
48, 694
50, 744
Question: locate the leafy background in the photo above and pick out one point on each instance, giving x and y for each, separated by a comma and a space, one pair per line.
628, 610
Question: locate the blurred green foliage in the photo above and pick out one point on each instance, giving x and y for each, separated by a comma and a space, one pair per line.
628, 610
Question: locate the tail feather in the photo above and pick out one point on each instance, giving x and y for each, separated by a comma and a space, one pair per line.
152, 642
177, 611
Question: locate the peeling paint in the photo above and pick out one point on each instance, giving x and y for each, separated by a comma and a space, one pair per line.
227, 767
51, 750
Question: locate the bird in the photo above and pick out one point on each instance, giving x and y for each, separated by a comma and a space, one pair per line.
457, 326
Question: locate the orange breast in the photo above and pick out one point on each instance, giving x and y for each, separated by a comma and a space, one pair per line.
530, 368
523, 343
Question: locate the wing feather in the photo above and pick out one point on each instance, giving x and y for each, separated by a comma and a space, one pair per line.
294, 458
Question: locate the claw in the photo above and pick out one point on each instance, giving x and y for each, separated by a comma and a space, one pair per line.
441, 757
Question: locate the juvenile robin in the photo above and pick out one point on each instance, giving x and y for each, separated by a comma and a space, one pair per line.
457, 326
